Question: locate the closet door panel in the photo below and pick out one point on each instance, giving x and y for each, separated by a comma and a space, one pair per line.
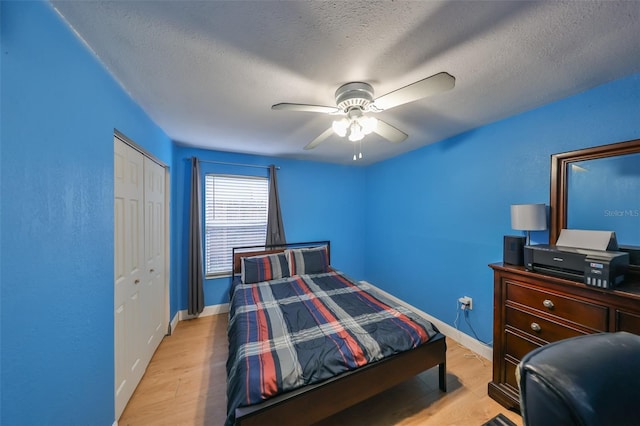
129, 271
154, 199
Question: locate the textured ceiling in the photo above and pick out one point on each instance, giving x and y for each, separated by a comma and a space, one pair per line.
207, 72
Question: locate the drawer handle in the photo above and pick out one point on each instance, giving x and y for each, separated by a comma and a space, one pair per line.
548, 304
536, 327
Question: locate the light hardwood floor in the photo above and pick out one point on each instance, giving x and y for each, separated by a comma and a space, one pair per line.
185, 384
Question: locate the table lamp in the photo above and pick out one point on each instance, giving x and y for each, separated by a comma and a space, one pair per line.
528, 217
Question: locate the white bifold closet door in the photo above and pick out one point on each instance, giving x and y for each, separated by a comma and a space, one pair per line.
139, 270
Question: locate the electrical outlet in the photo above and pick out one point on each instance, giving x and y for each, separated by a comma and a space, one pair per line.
466, 302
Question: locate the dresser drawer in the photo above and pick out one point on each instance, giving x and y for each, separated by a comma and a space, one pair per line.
517, 346
626, 321
542, 328
580, 312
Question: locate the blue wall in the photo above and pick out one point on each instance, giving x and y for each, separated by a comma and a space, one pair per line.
319, 202
423, 225
59, 110
436, 216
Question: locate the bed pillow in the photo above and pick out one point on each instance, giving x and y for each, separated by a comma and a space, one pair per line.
264, 268
308, 260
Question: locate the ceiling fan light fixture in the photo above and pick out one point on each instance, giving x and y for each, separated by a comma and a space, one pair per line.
369, 124
356, 132
340, 127
355, 125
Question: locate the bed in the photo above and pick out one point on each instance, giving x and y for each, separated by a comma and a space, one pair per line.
306, 341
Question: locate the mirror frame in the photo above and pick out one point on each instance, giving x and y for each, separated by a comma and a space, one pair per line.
559, 180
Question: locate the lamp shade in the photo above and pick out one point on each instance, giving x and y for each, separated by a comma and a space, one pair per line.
529, 217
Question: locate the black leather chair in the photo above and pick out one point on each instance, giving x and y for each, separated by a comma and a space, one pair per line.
591, 380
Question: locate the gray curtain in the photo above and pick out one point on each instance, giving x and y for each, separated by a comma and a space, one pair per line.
196, 292
275, 229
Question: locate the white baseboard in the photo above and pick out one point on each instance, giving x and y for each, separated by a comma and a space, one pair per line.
174, 321
449, 331
208, 310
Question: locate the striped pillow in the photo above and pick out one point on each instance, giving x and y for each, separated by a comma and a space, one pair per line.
264, 268
308, 260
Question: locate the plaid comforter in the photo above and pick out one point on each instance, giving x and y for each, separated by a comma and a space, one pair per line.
300, 330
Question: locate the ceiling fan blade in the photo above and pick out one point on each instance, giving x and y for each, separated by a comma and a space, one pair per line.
437, 83
324, 135
389, 132
305, 108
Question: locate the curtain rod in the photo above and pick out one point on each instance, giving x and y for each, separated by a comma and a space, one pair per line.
234, 164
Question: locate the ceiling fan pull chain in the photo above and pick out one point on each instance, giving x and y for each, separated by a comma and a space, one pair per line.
360, 155
354, 152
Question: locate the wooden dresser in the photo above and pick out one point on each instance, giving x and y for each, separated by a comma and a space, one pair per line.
531, 310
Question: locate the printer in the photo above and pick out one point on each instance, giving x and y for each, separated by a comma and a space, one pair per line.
586, 256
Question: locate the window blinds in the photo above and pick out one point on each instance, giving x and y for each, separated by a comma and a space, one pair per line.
235, 216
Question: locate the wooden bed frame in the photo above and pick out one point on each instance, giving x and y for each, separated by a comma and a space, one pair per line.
313, 403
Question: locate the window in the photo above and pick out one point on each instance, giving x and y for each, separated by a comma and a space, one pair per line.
235, 216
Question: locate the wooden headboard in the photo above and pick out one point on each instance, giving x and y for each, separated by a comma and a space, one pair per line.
240, 252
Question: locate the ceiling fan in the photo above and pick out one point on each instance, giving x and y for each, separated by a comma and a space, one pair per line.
355, 99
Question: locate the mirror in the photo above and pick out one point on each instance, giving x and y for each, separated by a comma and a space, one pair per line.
584, 194
603, 194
